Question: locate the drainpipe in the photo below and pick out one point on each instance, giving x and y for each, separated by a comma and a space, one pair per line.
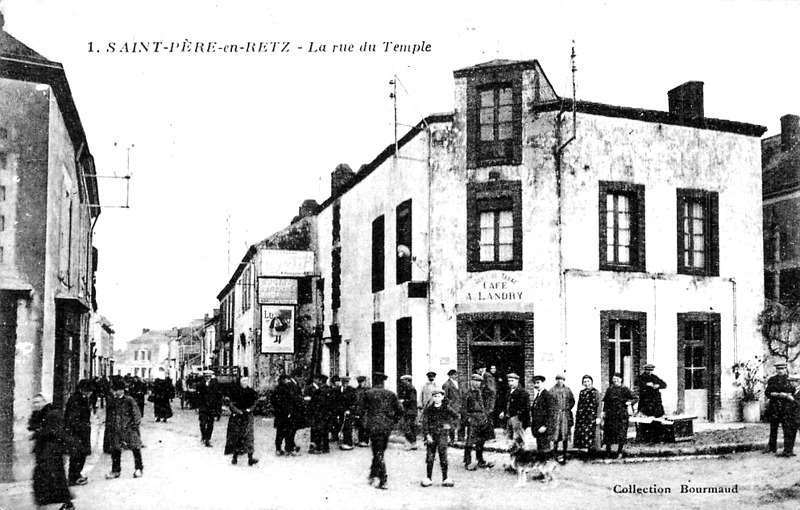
562, 285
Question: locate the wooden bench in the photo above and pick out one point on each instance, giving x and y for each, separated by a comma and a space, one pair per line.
667, 429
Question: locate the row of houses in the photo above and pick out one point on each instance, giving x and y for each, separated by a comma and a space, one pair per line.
537, 233
50, 332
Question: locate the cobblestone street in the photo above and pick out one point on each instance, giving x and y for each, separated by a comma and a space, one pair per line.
181, 474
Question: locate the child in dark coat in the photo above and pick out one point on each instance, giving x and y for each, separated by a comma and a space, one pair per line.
437, 420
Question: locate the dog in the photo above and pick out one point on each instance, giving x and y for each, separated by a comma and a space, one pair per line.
541, 464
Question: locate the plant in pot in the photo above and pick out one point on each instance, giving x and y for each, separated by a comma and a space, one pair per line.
749, 376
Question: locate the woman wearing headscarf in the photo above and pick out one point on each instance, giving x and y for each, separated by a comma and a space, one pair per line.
587, 416
240, 434
49, 446
616, 402
163, 393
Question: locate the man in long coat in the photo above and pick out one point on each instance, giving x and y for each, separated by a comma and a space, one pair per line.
122, 430
349, 402
518, 410
317, 396
779, 406
381, 411
543, 415
284, 405
649, 386
453, 396
479, 424
488, 389
49, 481
77, 423
407, 395
240, 437
209, 405
361, 390
564, 401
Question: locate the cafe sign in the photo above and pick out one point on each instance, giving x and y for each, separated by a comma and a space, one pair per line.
493, 286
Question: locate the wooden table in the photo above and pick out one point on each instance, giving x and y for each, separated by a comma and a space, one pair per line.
666, 429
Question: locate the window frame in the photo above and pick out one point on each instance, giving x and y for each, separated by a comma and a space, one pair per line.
710, 202
484, 196
404, 226
636, 195
379, 254
494, 81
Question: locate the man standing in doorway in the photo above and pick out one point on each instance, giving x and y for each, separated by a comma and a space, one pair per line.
407, 395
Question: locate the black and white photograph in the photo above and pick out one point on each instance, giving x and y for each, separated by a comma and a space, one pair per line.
443, 255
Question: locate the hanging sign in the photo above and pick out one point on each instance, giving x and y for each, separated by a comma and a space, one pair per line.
277, 329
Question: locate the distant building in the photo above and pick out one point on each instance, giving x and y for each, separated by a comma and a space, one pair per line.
147, 355
101, 356
781, 162
210, 352
49, 204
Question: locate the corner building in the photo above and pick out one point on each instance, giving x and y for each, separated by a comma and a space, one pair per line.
546, 235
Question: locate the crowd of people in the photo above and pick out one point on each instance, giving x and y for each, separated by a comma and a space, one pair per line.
337, 412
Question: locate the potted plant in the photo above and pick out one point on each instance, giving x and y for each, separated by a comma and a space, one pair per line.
748, 375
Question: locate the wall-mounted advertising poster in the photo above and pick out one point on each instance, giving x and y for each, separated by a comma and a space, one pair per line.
277, 329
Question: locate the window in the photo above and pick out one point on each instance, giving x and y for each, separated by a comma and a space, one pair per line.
494, 226
3, 160
247, 286
698, 232
497, 331
378, 346
694, 355
136, 355
622, 232
2, 193
494, 119
623, 337
403, 228
378, 255
336, 278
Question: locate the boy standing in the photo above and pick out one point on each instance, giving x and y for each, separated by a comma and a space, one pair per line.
437, 421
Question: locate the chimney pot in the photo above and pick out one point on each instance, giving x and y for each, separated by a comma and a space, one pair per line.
790, 129
340, 177
686, 101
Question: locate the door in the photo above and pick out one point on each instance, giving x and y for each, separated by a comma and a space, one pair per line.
694, 368
620, 349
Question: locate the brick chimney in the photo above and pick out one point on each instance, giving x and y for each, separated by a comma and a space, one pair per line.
340, 177
686, 101
790, 129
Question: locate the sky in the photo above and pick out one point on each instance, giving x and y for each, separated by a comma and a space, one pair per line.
223, 147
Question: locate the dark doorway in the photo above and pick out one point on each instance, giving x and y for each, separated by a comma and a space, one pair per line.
378, 346
506, 360
66, 362
403, 348
8, 342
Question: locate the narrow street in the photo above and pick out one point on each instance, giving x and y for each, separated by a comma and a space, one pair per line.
181, 474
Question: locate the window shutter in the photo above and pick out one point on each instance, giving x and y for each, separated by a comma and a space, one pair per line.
517, 118
472, 124
713, 241
681, 362
641, 255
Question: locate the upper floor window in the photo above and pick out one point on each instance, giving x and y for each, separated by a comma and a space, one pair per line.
494, 120
247, 286
622, 232
404, 255
494, 226
378, 234
698, 232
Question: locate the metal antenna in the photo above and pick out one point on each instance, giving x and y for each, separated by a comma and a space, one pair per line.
127, 178
393, 95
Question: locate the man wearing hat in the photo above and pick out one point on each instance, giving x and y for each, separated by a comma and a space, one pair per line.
792, 421
479, 425
650, 386
316, 395
336, 410
209, 405
543, 415
407, 396
381, 411
122, 430
779, 392
361, 389
518, 409
349, 403
452, 394
488, 388
564, 401
427, 390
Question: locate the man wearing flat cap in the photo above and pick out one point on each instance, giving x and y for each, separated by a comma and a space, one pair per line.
650, 386
779, 390
381, 411
316, 395
792, 421
349, 401
453, 396
479, 425
488, 389
407, 395
361, 389
564, 401
518, 410
543, 415
427, 390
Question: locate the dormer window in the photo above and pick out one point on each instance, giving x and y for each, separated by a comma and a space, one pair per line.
494, 118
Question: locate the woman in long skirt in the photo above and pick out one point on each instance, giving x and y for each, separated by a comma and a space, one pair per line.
49, 446
163, 393
617, 400
240, 434
587, 417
